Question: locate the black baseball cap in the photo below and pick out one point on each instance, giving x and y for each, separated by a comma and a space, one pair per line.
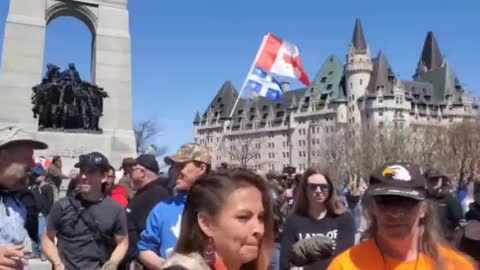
400, 178
148, 161
94, 160
433, 173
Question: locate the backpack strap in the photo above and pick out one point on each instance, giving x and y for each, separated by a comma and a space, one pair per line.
102, 239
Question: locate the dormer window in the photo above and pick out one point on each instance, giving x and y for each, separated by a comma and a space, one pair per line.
323, 80
329, 86
219, 100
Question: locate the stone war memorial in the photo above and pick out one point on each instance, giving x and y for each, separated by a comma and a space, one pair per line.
73, 116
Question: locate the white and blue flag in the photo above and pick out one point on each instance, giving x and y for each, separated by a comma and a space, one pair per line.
263, 84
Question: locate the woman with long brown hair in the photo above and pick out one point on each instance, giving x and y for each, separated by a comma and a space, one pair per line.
226, 224
319, 226
402, 232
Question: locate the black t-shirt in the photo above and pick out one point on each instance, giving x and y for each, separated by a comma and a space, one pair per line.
76, 242
138, 209
297, 227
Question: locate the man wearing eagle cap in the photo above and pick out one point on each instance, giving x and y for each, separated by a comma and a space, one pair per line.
402, 233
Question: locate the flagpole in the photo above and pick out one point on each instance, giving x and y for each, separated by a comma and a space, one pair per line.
246, 78
243, 87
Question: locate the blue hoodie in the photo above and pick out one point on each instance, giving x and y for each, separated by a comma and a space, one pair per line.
163, 226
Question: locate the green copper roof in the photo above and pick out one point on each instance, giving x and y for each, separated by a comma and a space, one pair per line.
328, 79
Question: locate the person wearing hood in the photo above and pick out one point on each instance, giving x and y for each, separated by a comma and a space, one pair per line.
150, 190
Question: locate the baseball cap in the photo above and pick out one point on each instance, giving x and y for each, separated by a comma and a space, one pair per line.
190, 152
94, 160
38, 170
148, 161
10, 135
433, 173
401, 179
126, 162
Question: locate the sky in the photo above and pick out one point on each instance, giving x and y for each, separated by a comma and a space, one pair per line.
183, 51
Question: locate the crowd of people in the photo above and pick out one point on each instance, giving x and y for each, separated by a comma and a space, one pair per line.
200, 218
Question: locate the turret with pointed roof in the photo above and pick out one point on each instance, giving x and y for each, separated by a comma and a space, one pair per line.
431, 57
358, 39
197, 118
382, 75
223, 102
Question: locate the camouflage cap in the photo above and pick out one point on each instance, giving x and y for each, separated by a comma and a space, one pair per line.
190, 152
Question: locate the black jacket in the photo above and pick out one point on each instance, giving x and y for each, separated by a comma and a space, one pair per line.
44, 198
449, 211
137, 212
474, 212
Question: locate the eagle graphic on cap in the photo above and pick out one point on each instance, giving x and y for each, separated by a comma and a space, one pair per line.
397, 172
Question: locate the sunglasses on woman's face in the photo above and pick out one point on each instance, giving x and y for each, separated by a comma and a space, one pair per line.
388, 201
313, 187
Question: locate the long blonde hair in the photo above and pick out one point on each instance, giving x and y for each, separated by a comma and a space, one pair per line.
430, 239
332, 203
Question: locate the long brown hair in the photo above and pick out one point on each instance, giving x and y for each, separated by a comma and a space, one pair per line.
208, 195
332, 203
430, 239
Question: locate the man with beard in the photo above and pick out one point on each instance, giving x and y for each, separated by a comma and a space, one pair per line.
16, 159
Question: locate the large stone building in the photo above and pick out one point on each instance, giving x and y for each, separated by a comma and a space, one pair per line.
363, 92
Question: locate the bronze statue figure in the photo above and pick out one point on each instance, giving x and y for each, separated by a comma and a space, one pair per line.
64, 101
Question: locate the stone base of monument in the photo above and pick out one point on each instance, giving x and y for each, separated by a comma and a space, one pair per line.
115, 145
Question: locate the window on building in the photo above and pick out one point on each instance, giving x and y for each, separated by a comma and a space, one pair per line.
380, 113
380, 124
329, 86
361, 81
323, 80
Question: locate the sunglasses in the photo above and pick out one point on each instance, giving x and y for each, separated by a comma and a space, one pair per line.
323, 187
389, 201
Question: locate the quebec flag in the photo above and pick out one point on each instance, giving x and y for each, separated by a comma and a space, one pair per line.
261, 83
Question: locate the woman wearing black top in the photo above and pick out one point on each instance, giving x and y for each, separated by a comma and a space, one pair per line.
319, 227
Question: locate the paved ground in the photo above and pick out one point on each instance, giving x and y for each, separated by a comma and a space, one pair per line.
37, 264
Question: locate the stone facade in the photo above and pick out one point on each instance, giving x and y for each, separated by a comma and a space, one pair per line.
22, 66
363, 92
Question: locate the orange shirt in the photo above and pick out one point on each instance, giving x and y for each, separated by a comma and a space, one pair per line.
367, 256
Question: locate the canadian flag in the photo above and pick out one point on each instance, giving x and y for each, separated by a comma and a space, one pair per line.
281, 57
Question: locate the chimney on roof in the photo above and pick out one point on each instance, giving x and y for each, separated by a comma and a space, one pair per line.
285, 86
